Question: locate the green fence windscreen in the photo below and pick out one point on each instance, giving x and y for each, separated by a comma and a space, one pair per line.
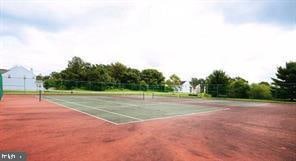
1, 87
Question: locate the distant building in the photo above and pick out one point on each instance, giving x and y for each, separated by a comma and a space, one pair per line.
19, 78
185, 87
196, 90
3, 71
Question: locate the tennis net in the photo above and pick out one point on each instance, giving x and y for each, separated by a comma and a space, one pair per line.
117, 94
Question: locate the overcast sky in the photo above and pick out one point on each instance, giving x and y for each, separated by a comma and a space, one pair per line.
247, 38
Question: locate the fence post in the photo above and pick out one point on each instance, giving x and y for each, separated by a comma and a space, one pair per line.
24, 84
39, 95
217, 90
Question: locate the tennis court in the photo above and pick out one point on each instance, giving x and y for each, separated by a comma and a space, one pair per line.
121, 110
123, 127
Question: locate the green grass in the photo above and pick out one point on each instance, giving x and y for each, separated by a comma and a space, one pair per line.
253, 100
118, 90
19, 92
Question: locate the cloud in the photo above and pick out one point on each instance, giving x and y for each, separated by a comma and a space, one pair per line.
275, 12
189, 38
53, 16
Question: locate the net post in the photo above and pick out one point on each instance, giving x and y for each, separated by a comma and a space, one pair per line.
24, 84
143, 95
152, 94
39, 95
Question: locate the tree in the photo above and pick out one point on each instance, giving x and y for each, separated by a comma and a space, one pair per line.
238, 88
143, 85
39, 77
265, 83
55, 75
132, 79
260, 91
83, 75
98, 73
74, 69
194, 82
174, 82
217, 83
132, 76
285, 83
47, 84
97, 77
117, 72
152, 77
75, 75
53, 80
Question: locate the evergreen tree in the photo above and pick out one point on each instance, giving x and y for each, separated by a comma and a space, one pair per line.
285, 83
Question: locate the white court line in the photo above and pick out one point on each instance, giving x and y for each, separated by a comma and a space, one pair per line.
99, 109
82, 112
114, 102
178, 104
168, 117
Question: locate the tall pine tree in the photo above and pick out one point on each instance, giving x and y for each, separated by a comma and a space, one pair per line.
285, 83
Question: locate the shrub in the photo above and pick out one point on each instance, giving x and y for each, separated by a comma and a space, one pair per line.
260, 91
204, 95
238, 89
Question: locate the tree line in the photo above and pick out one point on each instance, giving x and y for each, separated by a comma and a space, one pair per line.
83, 75
219, 84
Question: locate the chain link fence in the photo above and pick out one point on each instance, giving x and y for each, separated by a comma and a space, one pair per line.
1, 87
256, 91
102, 86
20, 84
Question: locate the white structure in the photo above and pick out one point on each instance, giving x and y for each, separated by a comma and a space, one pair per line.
196, 90
185, 87
20, 78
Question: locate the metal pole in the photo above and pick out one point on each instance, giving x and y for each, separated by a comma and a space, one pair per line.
143, 95
217, 90
39, 95
152, 92
24, 84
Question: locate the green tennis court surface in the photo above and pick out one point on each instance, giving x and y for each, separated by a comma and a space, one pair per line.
228, 103
120, 111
